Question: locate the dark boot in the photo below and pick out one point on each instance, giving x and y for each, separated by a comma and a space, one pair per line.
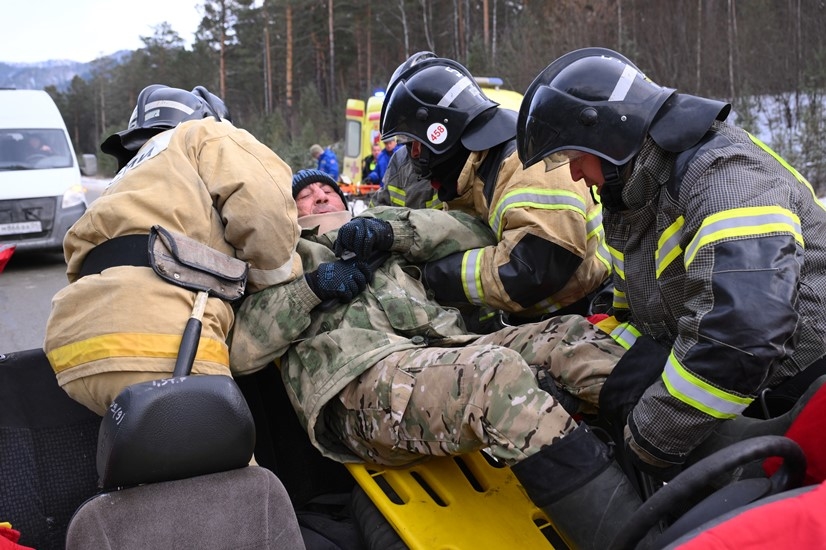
742, 427
582, 490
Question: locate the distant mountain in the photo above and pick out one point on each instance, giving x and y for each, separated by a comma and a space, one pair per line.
58, 73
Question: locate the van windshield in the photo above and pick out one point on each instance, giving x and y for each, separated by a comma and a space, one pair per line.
29, 149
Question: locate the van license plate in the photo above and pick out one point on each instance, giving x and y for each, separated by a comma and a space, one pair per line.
20, 227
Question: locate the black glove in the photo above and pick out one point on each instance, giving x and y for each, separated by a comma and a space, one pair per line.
341, 280
363, 236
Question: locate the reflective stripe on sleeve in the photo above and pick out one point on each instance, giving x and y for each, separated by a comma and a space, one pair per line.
751, 221
593, 225
699, 394
397, 195
544, 199
625, 335
472, 279
434, 202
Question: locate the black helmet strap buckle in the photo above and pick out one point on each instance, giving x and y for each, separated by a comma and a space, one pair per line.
611, 191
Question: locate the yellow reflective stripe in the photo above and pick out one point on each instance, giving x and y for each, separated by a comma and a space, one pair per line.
620, 299
617, 261
434, 201
127, 344
593, 224
544, 199
625, 335
487, 315
668, 246
472, 279
743, 222
603, 256
397, 195
699, 394
798, 176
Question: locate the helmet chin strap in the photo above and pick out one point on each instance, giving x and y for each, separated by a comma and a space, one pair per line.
611, 191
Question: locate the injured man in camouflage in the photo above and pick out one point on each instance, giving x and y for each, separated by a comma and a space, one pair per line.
382, 373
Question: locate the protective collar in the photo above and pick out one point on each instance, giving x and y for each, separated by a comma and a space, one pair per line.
684, 119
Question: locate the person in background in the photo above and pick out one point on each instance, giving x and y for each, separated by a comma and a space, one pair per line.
368, 164
37, 147
548, 256
719, 248
376, 177
185, 167
381, 373
327, 161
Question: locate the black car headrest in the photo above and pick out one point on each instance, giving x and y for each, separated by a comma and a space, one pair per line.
174, 428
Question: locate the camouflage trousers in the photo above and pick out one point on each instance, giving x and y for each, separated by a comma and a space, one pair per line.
446, 401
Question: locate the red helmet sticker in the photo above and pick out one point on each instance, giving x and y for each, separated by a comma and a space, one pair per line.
436, 133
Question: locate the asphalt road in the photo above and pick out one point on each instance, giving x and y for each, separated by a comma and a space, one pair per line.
26, 289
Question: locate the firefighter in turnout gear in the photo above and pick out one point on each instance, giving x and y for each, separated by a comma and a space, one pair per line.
389, 376
549, 255
718, 248
185, 167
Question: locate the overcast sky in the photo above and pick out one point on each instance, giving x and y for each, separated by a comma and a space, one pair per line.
83, 30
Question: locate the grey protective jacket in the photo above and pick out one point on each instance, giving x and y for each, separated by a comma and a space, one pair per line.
721, 257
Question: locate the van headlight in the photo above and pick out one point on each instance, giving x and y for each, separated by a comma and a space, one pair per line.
73, 196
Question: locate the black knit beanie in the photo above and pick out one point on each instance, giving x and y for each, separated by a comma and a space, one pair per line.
303, 178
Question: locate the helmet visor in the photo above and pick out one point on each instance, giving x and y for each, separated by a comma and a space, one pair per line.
423, 122
561, 158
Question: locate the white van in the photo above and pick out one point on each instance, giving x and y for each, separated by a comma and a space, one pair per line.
41, 194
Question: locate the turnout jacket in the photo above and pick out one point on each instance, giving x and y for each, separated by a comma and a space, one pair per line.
321, 351
205, 179
549, 251
721, 257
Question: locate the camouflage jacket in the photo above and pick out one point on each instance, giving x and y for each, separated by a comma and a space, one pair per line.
321, 351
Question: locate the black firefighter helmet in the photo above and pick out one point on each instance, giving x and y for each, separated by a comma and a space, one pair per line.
437, 102
161, 108
592, 100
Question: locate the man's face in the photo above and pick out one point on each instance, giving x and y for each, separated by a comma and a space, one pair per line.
376, 150
419, 158
318, 198
588, 167
390, 145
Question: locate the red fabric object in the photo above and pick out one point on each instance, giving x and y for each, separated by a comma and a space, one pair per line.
6, 251
794, 523
597, 317
9, 538
808, 431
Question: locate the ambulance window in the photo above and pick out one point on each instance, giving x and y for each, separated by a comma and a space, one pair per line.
352, 139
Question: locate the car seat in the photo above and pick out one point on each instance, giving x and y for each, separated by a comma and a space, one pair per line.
172, 459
